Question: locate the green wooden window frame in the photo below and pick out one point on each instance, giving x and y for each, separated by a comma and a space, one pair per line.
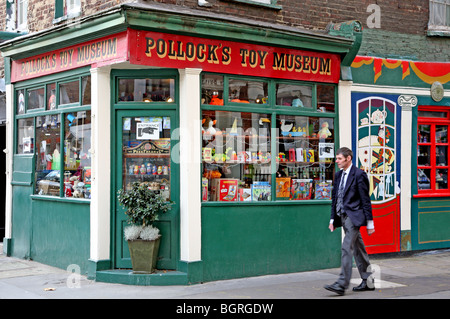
274, 110
61, 110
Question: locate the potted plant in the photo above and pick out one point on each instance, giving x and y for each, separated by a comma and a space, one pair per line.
143, 206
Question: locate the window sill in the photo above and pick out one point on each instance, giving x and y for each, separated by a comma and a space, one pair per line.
61, 199
66, 17
258, 4
270, 203
438, 33
426, 195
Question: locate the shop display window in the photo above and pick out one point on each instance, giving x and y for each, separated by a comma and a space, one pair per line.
36, 98
59, 139
20, 102
69, 92
77, 158
244, 91
25, 136
48, 157
326, 98
51, 96
294, 95
432, 151
212, 89
146, 90
236, 156
305, 156
86, 90
253, 153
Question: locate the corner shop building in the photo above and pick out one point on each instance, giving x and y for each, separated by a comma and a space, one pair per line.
127, 95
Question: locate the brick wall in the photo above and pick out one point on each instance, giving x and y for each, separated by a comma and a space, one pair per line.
398, 20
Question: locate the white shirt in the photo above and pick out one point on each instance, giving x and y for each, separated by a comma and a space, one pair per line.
370, 224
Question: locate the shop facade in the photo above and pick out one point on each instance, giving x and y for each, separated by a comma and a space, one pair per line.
237, 125
399, 121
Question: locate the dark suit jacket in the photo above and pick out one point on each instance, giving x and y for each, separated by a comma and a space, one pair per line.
356, 201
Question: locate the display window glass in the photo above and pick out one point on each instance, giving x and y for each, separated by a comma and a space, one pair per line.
305, 157
25, 136
86, 90
433, 151
77, 158
237, 156
146, 153
326, 98
51, 96
267, 152
294, 95
20, 102
245, 91
69, 92
212, 89
59, 138
36, 98
146, 90
48, 159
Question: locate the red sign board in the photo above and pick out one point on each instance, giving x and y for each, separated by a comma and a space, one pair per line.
177, 51
97, 52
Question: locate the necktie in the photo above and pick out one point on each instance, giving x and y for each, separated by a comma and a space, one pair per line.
340, 195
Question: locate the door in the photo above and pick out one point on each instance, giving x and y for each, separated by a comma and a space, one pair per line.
145, 153
376, 153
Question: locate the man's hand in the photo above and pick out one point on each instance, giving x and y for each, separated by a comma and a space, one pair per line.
331, 227
370, 231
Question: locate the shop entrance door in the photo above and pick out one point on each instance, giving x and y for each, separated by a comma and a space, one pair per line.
145, 153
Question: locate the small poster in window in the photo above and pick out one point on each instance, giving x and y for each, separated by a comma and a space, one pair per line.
27, 144
326, 150
147, 131
166, 123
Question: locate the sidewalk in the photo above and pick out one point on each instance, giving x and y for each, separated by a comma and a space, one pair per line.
416, 275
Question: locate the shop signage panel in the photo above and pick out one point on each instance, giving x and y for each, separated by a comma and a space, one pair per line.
97, 52
212, 55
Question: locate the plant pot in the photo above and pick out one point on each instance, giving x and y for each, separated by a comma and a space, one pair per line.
144, 255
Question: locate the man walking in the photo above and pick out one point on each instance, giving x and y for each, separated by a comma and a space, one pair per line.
351, 208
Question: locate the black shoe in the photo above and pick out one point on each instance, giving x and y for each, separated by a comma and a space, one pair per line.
364, 287
336, 288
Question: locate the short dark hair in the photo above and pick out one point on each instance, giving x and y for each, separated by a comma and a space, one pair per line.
345, 151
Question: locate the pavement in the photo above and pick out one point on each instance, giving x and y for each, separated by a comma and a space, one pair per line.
412, 275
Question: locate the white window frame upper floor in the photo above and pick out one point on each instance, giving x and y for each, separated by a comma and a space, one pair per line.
439, 19
21, 15
66, 9
264, 3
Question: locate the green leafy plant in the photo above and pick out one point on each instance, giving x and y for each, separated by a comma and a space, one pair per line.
143, 207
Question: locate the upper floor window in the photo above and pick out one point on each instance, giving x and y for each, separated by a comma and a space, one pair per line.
21, 17
439, 16
66, 9
266, 3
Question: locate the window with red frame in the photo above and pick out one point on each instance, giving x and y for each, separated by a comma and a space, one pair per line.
433, 151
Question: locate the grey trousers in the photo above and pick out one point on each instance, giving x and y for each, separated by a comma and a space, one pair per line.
352, 246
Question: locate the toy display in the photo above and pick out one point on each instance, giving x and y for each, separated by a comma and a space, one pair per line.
323, 190
261, 191
283, 188
237, 157
224, 189
301, 189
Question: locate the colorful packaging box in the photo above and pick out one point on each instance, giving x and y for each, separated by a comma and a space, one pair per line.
283, 190
301, 189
